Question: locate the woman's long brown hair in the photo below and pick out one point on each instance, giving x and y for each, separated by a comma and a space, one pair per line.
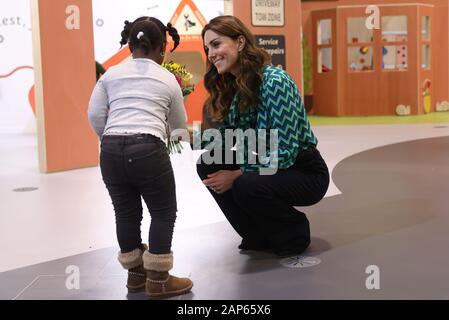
222, 88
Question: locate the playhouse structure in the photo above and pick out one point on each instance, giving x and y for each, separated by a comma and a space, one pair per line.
385, 62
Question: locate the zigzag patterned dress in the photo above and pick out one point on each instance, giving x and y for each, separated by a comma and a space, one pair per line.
281, 108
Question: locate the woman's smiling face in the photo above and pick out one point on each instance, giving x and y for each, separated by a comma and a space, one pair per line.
222, 52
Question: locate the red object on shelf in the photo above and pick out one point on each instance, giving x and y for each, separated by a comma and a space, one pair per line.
325, 69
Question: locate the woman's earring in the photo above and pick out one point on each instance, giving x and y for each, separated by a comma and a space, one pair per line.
162, 54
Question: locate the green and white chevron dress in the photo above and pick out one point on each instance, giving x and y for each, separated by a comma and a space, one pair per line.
281, 108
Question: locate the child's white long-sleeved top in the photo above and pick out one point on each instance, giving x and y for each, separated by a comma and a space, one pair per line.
137, 96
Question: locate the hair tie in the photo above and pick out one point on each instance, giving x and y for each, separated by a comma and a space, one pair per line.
140, 35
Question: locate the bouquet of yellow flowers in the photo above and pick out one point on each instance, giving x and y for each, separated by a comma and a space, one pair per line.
183, 77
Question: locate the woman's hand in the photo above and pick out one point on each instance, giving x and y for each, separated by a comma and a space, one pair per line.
221, 181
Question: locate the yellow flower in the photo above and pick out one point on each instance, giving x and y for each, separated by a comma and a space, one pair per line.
182, 76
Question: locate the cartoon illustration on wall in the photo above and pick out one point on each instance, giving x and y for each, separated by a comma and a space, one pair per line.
16, 66
188, 23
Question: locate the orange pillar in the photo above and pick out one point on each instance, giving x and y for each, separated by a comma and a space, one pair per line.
63, 48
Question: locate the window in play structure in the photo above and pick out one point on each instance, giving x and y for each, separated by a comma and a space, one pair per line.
324, 60
324, 32
360, 58
425, 56
394, 57
394, 39
360, 45
357, 31
394, 29
324, 42
425, 32
425, 43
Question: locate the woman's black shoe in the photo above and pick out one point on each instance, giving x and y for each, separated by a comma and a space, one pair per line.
256, 246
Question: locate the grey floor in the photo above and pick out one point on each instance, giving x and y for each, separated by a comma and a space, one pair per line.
393, 213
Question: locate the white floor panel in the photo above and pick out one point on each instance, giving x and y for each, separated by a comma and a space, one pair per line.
71, 212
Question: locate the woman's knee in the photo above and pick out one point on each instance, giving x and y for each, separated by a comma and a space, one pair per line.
205, 167
245, 187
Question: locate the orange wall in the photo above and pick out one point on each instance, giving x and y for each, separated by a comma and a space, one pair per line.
291, 30
65, 76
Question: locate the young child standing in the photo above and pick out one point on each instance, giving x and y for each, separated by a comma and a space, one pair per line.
130, 109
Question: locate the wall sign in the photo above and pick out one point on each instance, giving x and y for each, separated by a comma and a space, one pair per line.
267, 13
275, 46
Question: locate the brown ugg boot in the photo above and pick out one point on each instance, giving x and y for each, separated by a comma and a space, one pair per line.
132, 261
160, 284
